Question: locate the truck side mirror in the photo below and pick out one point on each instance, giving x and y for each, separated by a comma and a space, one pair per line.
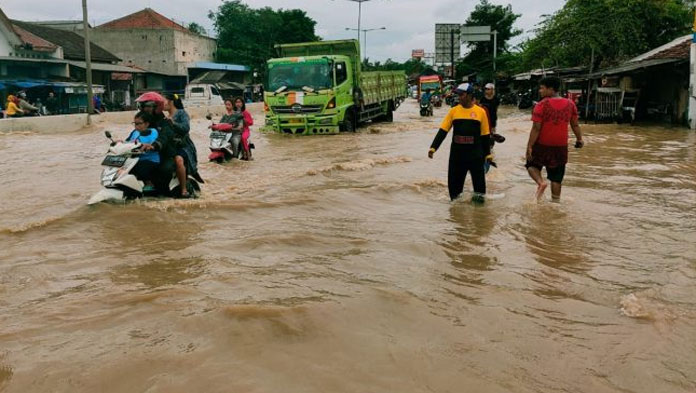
108, 134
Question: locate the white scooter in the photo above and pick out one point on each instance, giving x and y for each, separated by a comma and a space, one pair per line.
119, 185
221, 147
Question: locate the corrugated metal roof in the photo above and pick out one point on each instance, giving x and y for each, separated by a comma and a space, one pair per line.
72, 43
626, 67
106, 67
218, 66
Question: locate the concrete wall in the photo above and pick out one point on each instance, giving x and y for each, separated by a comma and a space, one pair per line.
164, 51
192, 48
70, 123
150, 49
5, 47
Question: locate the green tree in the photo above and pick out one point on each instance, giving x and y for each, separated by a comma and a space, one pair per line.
614, 29
247, 36
480, 58
195, 28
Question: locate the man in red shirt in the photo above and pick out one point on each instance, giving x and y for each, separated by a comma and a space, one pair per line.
548, 140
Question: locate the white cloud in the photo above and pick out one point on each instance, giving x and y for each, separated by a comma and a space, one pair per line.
410, 23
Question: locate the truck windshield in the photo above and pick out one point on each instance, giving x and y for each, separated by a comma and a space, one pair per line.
295, 76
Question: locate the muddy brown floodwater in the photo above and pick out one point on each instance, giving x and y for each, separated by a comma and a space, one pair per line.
338, 264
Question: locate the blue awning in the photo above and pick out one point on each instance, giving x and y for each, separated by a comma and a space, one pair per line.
66, 87
27, 85
219, 66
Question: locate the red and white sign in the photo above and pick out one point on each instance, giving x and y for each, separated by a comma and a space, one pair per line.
418, 53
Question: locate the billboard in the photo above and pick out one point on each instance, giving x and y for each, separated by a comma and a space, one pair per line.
475, 33
445, 43
418, 53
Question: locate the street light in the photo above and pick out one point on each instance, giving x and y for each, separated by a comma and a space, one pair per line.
359, 14
365, 31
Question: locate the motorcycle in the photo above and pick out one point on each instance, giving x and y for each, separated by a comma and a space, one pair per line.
221, 146
525, 100
426, 108
436, 101
119, 184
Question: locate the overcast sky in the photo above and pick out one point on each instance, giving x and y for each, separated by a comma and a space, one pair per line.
410, 23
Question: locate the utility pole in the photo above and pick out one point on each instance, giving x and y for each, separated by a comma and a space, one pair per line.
495, 50
88, 62
692, 80
452, 72
589, 85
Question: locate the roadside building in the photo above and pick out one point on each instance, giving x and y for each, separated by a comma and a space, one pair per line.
114, 81
170, 54
653, 86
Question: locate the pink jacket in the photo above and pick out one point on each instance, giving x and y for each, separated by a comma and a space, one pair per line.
248, 121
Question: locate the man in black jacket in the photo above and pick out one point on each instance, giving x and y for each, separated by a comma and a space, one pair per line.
471, 146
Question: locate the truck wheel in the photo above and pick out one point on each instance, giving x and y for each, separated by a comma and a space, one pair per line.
389, 117
349, 123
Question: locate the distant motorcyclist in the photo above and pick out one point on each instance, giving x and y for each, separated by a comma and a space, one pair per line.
25, 106
425, 97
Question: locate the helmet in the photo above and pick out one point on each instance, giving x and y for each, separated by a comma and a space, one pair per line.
151, 98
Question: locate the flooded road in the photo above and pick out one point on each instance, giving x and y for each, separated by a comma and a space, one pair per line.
338, 264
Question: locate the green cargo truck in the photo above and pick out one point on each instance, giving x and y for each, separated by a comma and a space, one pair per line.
319, 88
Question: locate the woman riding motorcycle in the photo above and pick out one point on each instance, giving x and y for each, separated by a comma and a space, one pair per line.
185, 158
153, 103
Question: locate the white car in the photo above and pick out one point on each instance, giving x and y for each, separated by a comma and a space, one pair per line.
202, 94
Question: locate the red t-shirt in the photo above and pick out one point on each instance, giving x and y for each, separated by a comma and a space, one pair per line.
555, 115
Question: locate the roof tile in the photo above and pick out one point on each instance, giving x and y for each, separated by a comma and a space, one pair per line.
144, 19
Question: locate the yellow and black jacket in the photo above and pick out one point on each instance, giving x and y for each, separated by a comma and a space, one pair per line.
471, 137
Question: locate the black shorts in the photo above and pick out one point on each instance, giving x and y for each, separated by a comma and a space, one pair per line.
144, 170
555, 174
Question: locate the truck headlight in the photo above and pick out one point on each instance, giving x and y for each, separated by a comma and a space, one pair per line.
332, 103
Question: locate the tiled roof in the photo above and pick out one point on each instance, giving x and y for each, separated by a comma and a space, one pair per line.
676, 49
679, 51
72, 43
37, 43
145, 19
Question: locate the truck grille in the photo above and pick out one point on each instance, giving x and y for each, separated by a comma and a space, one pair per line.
297, 108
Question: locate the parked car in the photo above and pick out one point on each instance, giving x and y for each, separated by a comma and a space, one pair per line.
202, 94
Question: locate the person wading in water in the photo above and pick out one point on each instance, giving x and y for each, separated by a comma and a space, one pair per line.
471, 145
548, 140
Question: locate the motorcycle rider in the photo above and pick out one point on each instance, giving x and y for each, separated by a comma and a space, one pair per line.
145, 134
425, 97
232, 121
185, 158
25, 106
153, 103
426, 100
